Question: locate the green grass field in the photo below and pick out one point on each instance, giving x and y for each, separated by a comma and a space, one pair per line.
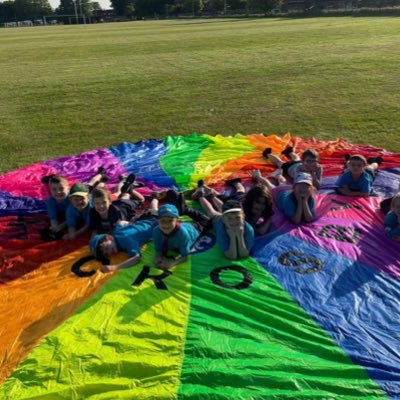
66, 89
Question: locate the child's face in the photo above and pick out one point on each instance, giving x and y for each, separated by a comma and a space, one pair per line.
258, 205
356, 167
396, 207
79, 202
233, 220
167, 224
302, 189
59, 190
310, 163
109, 247
101, 204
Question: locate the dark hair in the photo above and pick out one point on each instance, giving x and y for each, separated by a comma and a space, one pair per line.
252, 194
229, 204
53, 178
100, 256
309, 153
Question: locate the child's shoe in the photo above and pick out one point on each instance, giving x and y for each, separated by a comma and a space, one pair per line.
129, 181
287, 151
267, 151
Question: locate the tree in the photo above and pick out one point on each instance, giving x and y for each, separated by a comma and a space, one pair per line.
7, 11
31, 9
123, 7
84, 7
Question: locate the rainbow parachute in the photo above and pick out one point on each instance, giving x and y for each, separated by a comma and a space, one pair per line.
314, 313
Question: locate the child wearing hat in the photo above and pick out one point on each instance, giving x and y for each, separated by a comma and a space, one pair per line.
126, 238
359, 176
173, 235
78, 211
298, 204
235, 236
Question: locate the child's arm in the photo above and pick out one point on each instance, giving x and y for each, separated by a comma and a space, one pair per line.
136, 196
242, 250
55, 226
232, 251
263, 228
316, 176
296, 219
308, 216
347, 192
130, 262
166, 264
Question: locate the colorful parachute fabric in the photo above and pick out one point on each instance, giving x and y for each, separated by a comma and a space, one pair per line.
313, 313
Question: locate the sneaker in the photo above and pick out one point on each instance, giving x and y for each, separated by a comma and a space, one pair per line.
129, 181
267, 151
287, 151
121, 177
200, 183
101, 171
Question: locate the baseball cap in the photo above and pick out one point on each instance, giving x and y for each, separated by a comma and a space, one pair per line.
303, 177
94, 242
79, 189
168, 210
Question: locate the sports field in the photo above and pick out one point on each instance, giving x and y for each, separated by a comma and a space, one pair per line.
66, 89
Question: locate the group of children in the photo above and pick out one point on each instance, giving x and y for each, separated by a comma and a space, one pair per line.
118, 223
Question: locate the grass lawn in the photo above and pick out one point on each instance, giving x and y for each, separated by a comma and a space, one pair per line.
66, 89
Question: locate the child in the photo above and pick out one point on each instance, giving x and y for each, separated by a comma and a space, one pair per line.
128, 238
257, 204
357, 180
298, 204
257, 208
171, 234
105, 213
392, 219
78, 211
57, 204
235, 236
307, 163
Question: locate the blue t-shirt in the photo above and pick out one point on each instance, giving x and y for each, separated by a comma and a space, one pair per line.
287, 203
57, 209
182, 240
392, 223
130, 238
75, 218
363, 184
223, 238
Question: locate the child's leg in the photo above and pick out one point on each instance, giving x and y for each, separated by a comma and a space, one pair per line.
261, 180
373, 167
216, 203
99, 179
267, 153
239, 188
294, 157
275, 160
208, 208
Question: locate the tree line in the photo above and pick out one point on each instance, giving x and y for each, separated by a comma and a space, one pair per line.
17, 10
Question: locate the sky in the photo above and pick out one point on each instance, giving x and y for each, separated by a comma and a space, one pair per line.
105, 4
